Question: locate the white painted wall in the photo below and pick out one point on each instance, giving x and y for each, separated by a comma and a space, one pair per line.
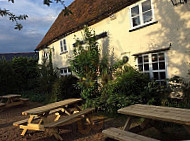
173, 27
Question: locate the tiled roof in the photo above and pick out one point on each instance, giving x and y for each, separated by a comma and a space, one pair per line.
84, 12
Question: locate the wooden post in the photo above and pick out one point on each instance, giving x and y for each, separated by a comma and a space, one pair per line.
127, 124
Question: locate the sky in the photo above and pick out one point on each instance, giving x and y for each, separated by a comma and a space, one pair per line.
40, 18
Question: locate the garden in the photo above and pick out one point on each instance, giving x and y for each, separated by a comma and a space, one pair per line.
103, 83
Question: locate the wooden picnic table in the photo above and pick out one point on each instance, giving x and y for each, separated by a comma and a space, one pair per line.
151, 114
65, 112
11, 100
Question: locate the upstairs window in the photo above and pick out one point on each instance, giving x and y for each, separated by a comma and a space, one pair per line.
141, 14
153, 64
63, 46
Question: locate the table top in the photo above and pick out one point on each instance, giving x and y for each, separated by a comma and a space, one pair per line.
10, 96
168, 114
49, 107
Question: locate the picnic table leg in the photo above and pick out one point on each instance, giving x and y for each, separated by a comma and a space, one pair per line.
29, 121
187, 128
55, 133
127, 124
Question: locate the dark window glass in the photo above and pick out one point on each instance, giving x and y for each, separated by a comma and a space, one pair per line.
162, 65
156, 77
162, 75
155, 66
64, 41
140, 60
161, 56
154, 57
146, 58
69, 70
146, 67
135, 11
65, 70
61, 71
140, 67
147, 16
146, 5
136, 21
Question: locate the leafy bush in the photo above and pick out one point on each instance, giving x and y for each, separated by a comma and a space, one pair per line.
63, 88
125, 90
34, 96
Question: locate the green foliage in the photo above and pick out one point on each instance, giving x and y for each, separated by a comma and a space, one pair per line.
63, 88
125, 90
85, 64
7, 79
34, 96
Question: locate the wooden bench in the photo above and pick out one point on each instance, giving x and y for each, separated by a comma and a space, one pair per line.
2, 104
122, 135
22, 122
68, 118
24, 99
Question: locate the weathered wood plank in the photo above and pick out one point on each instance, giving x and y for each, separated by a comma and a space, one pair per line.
169, 114
49, 107
2, 104
25, 121
68, 118
10, 96
121, 135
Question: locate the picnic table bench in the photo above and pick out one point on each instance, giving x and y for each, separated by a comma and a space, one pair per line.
150, 113
12, 100
65, 112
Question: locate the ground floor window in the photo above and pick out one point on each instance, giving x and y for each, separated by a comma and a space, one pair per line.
154, 64
65, 71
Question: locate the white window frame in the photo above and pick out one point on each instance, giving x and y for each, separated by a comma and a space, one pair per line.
139, 4
63, 46
151, 71
67, 73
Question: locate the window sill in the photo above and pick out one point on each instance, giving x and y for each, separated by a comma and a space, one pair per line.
63, 52
136, 28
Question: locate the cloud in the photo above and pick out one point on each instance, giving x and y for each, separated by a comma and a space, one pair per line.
40, 19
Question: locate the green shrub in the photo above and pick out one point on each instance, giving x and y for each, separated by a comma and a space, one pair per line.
125, 90
34, 96
63, 88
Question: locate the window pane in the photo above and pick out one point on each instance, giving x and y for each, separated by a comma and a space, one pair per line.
136, 21
65, 47
154, 57
135, 11
61, 46
162, 65
61, 71
155, 66
64, 41
161, 56
146, 5
65, 70
147, 17
140, 60
146, 58
146, 67
140, 67
155, 76
162, 75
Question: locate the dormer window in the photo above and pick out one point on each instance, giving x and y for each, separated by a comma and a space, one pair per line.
63, 46
141, 14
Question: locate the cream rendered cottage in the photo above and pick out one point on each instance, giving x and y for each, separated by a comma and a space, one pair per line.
153, 34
